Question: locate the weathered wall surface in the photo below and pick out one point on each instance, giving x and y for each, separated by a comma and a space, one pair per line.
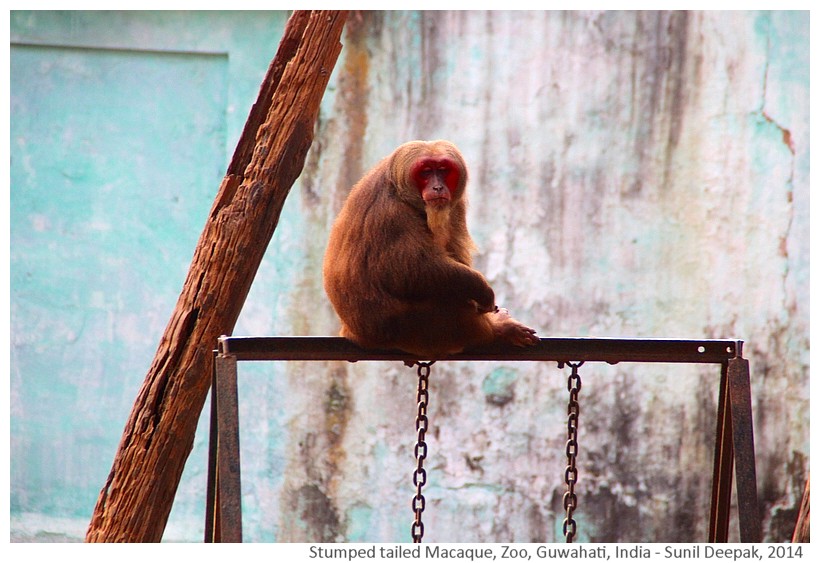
637, 174
633, 174
122, 124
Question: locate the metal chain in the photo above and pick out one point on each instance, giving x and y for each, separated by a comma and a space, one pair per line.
420, 451
571, 473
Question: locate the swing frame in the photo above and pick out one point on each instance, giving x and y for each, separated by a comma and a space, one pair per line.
734, 435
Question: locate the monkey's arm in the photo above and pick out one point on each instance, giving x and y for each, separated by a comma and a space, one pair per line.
414, 268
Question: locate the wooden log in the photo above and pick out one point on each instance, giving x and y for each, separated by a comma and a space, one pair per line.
802, 530
137, 497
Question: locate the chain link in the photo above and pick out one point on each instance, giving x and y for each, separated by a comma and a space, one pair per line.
420, 451
571, 472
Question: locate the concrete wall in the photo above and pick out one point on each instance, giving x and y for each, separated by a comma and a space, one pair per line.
122, 124
633, 174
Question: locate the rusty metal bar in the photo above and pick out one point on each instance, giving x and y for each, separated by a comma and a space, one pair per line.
609, 350
724, 456
228, 486
734, 434
740, 398
212, 533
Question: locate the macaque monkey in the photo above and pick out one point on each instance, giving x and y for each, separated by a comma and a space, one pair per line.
398, 267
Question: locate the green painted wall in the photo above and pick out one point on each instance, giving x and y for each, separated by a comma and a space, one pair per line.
103, 216
121, 127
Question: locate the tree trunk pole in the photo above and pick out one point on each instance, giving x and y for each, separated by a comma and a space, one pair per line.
802, 530
137, 497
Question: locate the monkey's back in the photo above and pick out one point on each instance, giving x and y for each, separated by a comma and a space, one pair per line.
360, 265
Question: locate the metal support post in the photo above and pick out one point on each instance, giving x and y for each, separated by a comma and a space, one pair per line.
224, 516
740, 397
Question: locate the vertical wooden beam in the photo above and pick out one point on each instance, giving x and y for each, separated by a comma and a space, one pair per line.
137, 497
802, 530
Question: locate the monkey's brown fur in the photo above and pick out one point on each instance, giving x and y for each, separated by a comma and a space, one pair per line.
398, 271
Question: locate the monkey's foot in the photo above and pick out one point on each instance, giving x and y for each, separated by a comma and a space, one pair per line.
510, 330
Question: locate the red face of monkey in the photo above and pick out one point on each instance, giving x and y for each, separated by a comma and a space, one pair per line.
436, 179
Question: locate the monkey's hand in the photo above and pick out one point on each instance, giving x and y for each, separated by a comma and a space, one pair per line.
485, 297
481, 309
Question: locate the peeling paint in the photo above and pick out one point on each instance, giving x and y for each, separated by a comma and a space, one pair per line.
312, 511
633, 204
499, 386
